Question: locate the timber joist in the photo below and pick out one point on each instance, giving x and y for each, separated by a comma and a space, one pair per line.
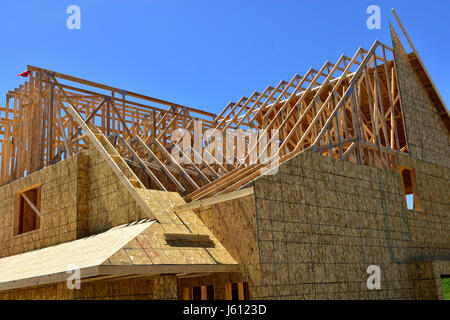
349, 109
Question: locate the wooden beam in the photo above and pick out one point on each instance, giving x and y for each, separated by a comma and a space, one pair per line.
196, 237
141, 163
63, 132
30, 203
175, 163
163, 167
100, 105
214, 200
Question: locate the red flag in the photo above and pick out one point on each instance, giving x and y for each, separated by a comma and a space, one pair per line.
24, 74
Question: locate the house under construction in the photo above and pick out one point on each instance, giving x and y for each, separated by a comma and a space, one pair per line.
91, 187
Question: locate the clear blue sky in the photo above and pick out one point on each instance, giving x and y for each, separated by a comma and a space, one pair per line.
205, 53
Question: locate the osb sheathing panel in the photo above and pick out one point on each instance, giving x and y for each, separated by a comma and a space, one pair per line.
83, 253
63, 207
322, 222
109, 202
428, 138
148, 288
106, 203
234, 224
141, 243
151, 247
431, 225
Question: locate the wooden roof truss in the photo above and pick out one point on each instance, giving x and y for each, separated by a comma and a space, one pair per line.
349, 109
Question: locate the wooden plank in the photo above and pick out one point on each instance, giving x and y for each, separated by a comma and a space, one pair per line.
63, 132
155, 166
176, 164
231, 121
106, 270
347, 92
89, 118
116, 90
125, 127
349, 151
187, 237
50, 127
141, 163
218, 182
197, 169
243, 101
187, 293
204, 293
311, 72
163, 167
214, 200
324, 104
30, 203
228, 291
241, 295
192, 275
124, 179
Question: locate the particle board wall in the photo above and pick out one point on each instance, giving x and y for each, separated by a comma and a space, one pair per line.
429, 228
63, 207
109, 203
322, 222
234, 224
151, 247
309, 231
428, 138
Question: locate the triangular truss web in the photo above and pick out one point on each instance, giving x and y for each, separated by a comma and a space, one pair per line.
349, 109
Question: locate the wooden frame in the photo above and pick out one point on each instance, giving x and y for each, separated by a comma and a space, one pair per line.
349, 110
21, 203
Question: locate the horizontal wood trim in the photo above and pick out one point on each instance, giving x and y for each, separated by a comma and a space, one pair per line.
214, 200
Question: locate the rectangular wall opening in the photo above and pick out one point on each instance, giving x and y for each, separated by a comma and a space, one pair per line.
27, 210
410, 191
199, 293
